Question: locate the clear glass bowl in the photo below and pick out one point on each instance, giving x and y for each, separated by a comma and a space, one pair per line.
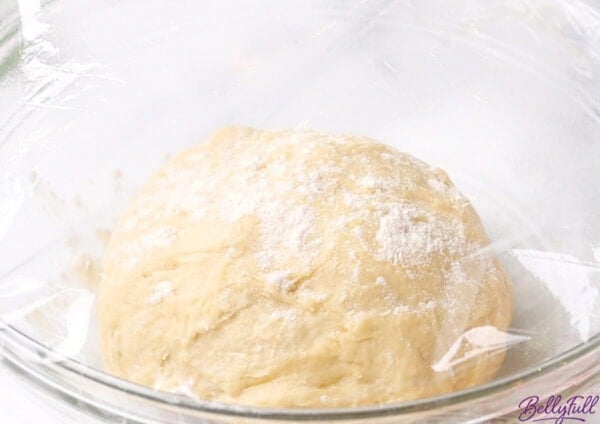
504, 95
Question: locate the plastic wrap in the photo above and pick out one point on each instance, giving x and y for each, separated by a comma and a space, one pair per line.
503, 95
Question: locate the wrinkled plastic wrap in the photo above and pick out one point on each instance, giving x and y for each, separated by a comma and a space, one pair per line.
503, 95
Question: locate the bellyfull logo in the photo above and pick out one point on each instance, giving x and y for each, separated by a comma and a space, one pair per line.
555, 410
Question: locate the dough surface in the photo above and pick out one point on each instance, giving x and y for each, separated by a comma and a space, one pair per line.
300, 269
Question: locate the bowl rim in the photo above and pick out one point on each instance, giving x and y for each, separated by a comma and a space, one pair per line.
75, 367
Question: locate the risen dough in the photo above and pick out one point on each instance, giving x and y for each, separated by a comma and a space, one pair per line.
299, 269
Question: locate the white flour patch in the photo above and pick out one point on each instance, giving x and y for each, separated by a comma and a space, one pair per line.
311, 295
408, 236
283, 314
281, 279
160, 291
369, 181
160, 237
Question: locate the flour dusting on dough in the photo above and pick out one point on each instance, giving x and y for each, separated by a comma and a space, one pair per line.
282, 268
160, 291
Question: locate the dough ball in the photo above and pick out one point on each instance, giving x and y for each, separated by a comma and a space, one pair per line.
300, 269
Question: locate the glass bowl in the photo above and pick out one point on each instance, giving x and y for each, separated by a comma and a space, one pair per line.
504, 95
